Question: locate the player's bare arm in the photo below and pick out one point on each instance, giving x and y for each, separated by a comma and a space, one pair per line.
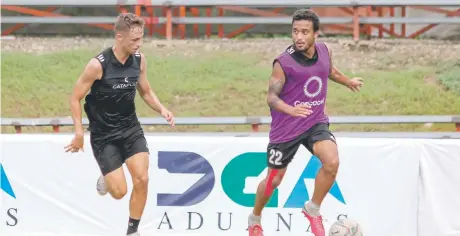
337, 76
275, 87
147, 94
92, 72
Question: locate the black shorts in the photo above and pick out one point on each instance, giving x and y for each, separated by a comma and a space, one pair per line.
112, 150
279, 155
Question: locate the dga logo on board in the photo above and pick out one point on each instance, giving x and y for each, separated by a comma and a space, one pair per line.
233, 182
6, 187
252, 164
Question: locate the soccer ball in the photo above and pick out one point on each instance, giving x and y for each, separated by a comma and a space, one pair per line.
346, 227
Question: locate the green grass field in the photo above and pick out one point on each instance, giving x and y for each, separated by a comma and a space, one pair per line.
226, 84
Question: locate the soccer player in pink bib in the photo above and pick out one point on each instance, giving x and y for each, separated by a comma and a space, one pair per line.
297, 97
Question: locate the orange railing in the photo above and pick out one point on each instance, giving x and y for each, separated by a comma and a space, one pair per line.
171, 21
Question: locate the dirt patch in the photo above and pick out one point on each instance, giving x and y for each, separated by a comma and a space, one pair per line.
433, 81
375, 54
430, 79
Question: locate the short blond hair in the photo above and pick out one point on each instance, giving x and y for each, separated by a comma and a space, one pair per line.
126, 21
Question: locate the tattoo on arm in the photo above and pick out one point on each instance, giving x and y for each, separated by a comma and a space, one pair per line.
274, 90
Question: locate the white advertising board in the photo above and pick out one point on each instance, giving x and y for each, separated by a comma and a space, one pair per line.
439, 188
206, 185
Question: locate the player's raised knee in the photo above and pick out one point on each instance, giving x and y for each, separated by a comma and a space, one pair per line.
118, 192
331, 165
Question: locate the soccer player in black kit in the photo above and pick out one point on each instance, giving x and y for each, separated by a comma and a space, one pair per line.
116, 136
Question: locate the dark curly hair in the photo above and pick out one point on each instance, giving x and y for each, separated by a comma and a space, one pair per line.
307, 14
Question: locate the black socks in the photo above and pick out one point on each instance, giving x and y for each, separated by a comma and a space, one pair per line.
132, 225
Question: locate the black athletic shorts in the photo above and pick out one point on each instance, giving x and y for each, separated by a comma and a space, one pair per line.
112, 150
279, 155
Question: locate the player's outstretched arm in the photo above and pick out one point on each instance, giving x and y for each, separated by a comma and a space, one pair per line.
147, 94
275, 87
92, 72
337, 76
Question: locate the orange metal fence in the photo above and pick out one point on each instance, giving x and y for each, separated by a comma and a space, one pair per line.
164, 25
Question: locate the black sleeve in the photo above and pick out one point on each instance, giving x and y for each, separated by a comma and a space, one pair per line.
102, 58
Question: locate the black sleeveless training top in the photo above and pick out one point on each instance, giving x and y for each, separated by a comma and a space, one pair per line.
110, 103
